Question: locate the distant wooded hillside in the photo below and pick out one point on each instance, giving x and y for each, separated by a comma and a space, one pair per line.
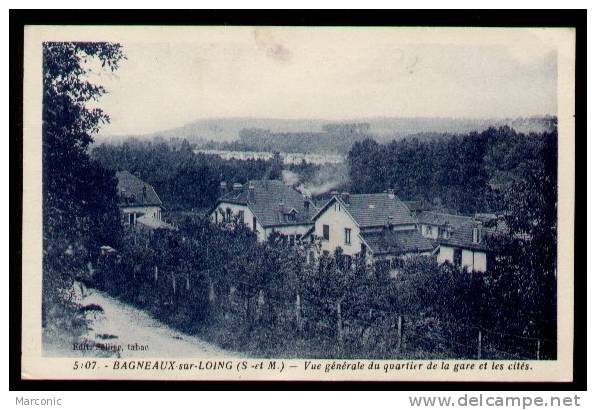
315, 135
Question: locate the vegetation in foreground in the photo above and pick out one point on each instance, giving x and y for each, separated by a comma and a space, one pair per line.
265, 300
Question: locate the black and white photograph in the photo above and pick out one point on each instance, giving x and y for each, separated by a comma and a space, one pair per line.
255, 202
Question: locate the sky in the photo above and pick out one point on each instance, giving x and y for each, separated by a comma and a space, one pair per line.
325, 73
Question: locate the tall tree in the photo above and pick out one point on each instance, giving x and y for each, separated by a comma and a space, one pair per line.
79, 196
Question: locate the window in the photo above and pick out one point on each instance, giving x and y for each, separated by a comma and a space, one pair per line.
429, 230
228, 214
348, 236
363, 250
241, 216
457, 257
326, 232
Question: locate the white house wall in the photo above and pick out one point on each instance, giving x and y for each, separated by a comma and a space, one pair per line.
338, 219
288, 229
480, 261
445, 254
152, 211
248, 217
467, 259
434, 231
473, 260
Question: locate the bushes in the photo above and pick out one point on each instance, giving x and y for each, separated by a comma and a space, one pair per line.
264, 300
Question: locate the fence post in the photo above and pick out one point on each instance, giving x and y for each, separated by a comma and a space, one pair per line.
538, 350
399, 333
339, 324
479, 344
211, 291
298, 313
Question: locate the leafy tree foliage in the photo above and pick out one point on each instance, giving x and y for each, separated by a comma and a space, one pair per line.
183, 179
79, 196
457, 173
524, 276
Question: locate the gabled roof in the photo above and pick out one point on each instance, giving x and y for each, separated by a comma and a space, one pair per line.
442, 219
370, 210
133, 191
397, 242
272, 201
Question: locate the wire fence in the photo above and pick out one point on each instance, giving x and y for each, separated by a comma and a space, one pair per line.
350, 328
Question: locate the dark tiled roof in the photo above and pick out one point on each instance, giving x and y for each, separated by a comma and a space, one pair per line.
135, 192
397, 242
463, 236
375, 209
416, 206
271, 201
441, 219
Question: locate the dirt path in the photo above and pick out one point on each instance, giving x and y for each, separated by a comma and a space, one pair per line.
124, 325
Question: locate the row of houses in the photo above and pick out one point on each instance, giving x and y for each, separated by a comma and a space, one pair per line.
378, 227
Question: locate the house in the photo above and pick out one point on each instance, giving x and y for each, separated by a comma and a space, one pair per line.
265, 207
138, 202
467, 245
378, 227
436, 225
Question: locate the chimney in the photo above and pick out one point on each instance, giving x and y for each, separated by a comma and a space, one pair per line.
281, 206
237, 186
251, 190
223, 187
389, 223
334, 193
391, 193
345, 196
306, 204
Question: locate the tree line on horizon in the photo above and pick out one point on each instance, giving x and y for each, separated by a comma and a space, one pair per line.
463, 174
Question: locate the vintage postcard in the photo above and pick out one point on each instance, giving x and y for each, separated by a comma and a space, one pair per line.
298, 203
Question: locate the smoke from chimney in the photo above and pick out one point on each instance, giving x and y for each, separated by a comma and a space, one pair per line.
325, 180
